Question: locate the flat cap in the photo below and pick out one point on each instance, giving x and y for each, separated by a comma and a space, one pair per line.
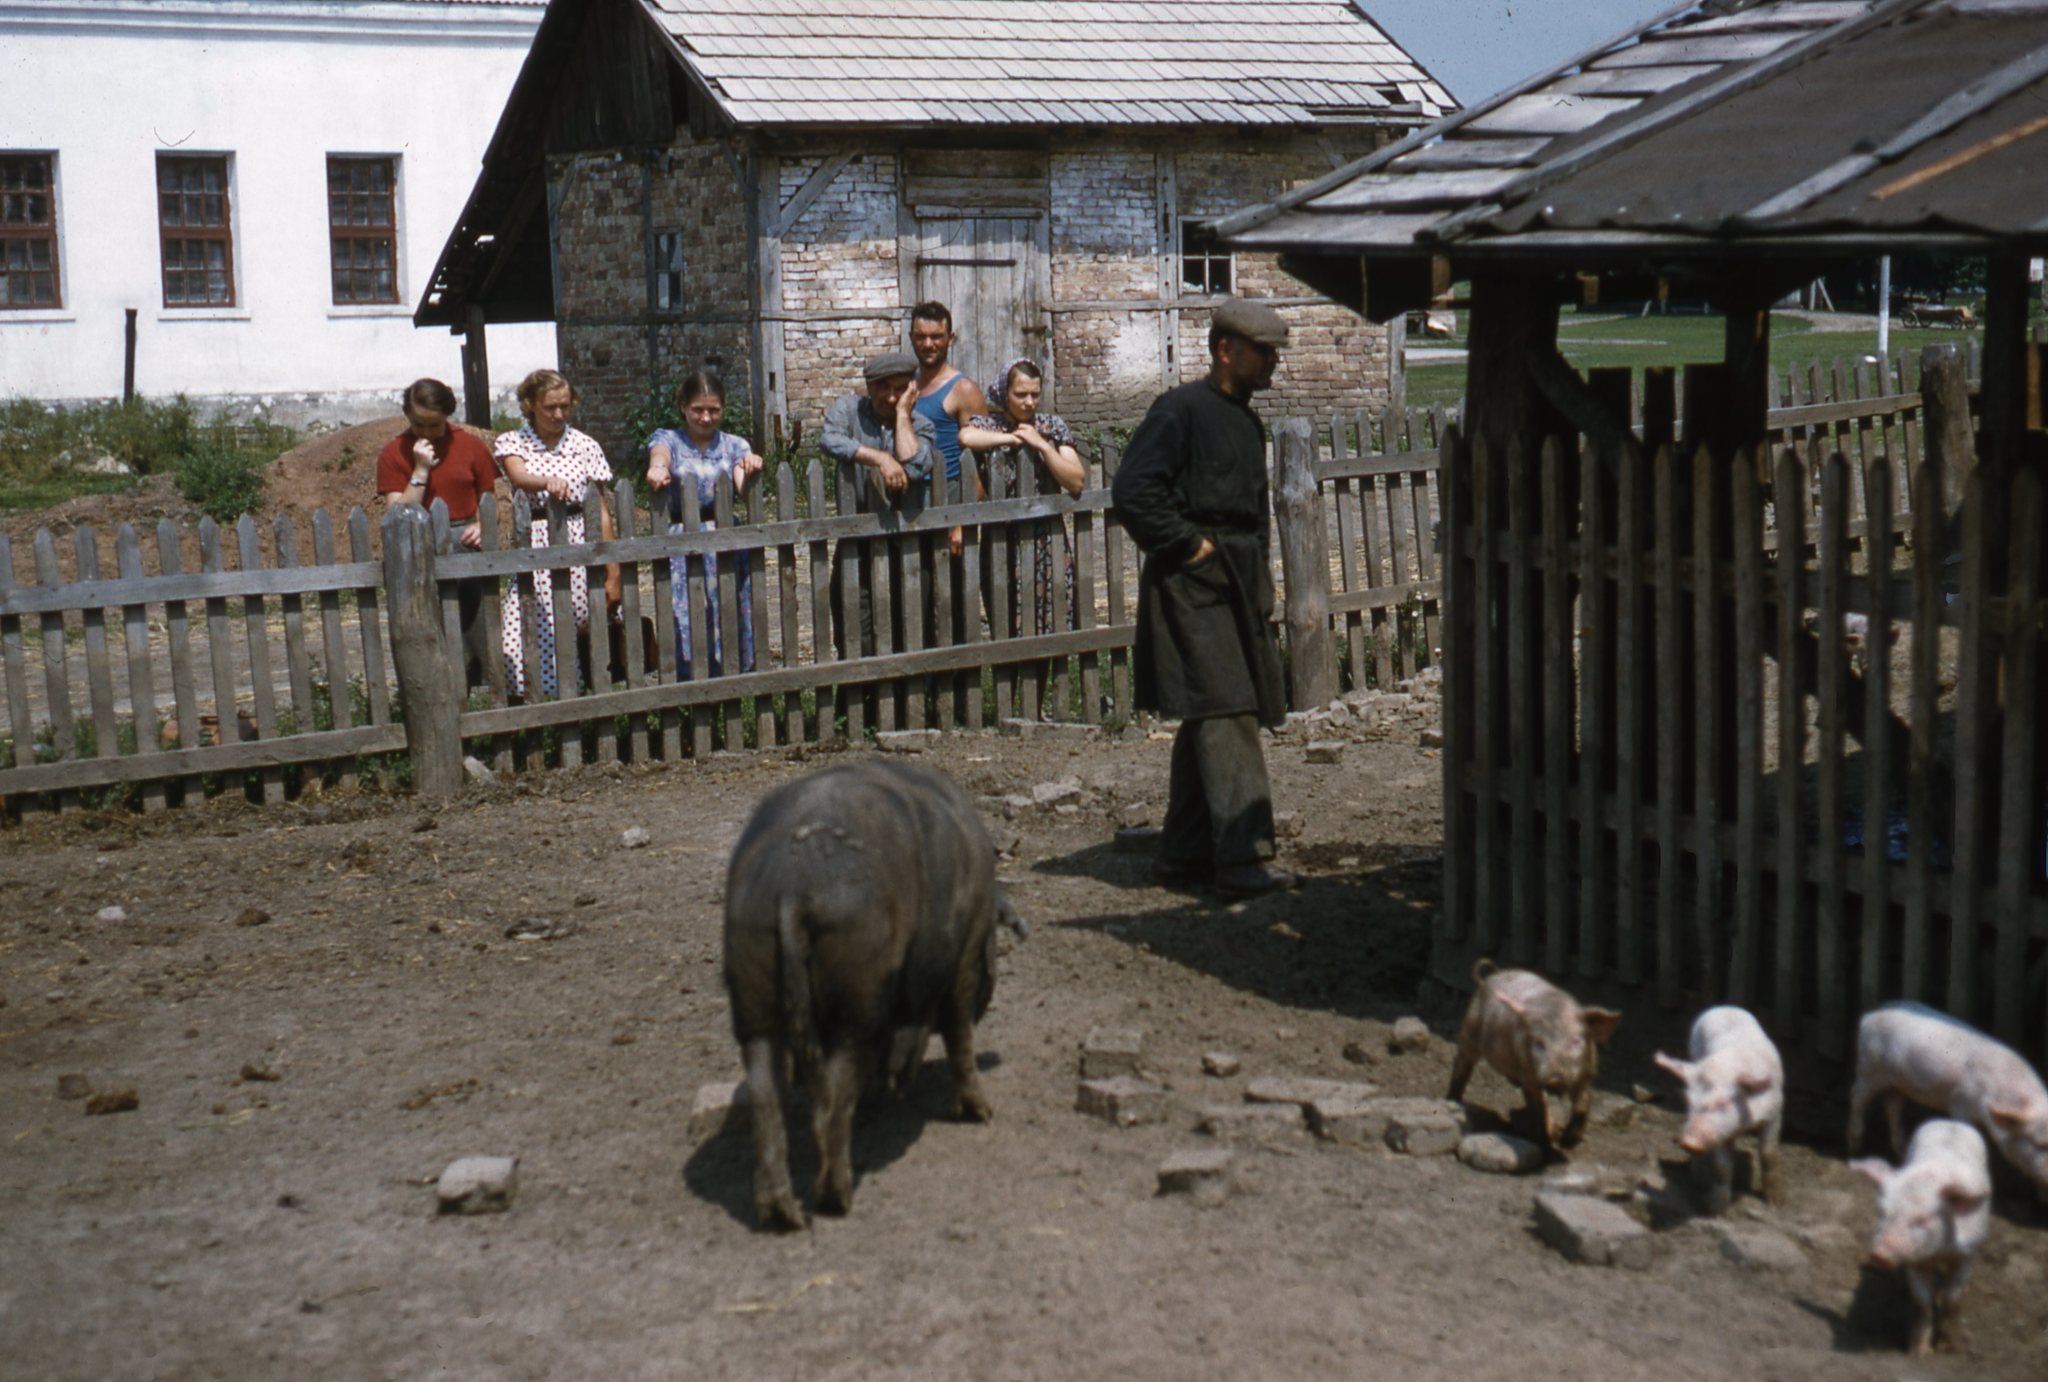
1254, 321
889, 364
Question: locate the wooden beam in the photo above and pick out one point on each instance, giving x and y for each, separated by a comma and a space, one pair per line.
476, 368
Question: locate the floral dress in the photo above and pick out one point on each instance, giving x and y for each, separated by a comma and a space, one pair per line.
578, 459
1023, 472
694, 471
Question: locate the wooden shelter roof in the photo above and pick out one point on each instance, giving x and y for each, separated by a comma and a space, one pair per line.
1826, 127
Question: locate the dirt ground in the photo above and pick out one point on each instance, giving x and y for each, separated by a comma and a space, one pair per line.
302, 1079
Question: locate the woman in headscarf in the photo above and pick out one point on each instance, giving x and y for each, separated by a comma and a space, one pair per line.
1033, 453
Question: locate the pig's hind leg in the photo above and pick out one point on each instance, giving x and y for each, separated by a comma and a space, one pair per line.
1767, 1139
775, 1203
956, 1029
833, 1101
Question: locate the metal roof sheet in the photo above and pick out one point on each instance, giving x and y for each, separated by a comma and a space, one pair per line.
1825, 123
1110, 61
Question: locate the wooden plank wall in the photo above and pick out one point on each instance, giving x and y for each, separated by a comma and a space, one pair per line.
1836, 791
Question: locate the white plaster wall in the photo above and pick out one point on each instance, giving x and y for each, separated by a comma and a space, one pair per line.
107, 84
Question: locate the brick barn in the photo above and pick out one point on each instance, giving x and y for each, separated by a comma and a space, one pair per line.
768, 185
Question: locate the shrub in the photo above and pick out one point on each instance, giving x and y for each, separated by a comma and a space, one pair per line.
223, 482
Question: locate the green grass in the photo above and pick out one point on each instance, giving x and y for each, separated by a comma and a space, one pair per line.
216, 461
1595, 340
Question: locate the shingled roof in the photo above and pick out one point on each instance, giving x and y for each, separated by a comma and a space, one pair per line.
1051, 62
1829, 126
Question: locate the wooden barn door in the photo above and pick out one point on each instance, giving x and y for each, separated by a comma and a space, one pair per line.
987, 269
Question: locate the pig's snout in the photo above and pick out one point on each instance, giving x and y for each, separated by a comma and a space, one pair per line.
1696, 1142
1881, 1258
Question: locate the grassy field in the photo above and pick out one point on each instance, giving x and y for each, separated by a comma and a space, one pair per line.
1594, 340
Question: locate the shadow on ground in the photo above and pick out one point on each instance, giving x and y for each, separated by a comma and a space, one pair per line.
721, 1171
1353, 939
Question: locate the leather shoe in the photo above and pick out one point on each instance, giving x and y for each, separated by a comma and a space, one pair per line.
1180, 873
1254, 880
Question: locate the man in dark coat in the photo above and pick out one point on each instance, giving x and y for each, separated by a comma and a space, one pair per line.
1192, 493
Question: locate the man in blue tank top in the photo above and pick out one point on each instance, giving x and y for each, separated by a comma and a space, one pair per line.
945, 396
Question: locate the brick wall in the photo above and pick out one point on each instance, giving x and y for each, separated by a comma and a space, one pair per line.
839, 256
613, 342
1111, 329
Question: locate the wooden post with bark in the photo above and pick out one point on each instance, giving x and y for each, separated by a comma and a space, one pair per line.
1948, 437
1305, 565
427, 676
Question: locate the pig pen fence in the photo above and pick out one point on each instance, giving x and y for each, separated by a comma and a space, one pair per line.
1761, 727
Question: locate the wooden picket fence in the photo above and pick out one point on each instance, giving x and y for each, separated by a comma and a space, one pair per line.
1667, 765
261, 672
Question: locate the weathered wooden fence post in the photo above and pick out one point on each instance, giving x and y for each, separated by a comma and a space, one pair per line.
1305, 565
419, 650
1949, 439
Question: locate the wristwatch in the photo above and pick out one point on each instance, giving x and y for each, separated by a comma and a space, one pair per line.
419, 479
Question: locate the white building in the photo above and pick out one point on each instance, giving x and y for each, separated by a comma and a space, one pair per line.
260, 186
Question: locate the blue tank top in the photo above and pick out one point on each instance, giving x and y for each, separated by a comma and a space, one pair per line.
933, 406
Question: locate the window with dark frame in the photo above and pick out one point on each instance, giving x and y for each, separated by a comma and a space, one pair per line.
196, 227
362, 229
1205, 263
28, 233
668, 271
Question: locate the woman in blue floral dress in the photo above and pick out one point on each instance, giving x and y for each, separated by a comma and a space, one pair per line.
687, 465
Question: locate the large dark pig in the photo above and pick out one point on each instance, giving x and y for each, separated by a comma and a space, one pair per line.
860, 915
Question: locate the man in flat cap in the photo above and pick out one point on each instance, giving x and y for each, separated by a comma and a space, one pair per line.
1192, 493
887, 451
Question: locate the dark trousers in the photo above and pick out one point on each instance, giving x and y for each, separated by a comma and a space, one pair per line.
477, 651
1219, 805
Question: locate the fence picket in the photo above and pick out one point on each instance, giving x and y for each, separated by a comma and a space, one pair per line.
1113, 572
1746, 924
256, 633
1673, 689
1082, 612
694, 594
334, 646
853, 607
1459, 845
1790, 480
823, 649
1917, 946
1875, 931
1486, 695
911, 554
99, 672
788, 618
1344, 500
733, 733
21, 727
1003, 617
2022, 794
1631, 737
1558, 712
1830, 948
141, 679
763, 594
298, 667
1384, 632
667, 649
369, 625
1974, 679
638, 746
1712, 694
1596, 659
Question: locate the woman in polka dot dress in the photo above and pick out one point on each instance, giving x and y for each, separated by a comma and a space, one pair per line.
549, 456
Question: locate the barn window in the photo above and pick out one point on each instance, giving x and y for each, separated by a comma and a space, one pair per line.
28, 232
362, 229
196, 227
666, 291
1205, 264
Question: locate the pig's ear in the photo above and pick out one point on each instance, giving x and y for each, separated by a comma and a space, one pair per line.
1753, 1082
1878, 1171
1600, 1023
2006, 1116
1682, 1069
1509, 1001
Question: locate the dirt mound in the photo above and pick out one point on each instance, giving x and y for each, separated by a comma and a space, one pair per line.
335, 471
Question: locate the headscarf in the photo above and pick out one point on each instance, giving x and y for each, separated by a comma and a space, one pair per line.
1050, 425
